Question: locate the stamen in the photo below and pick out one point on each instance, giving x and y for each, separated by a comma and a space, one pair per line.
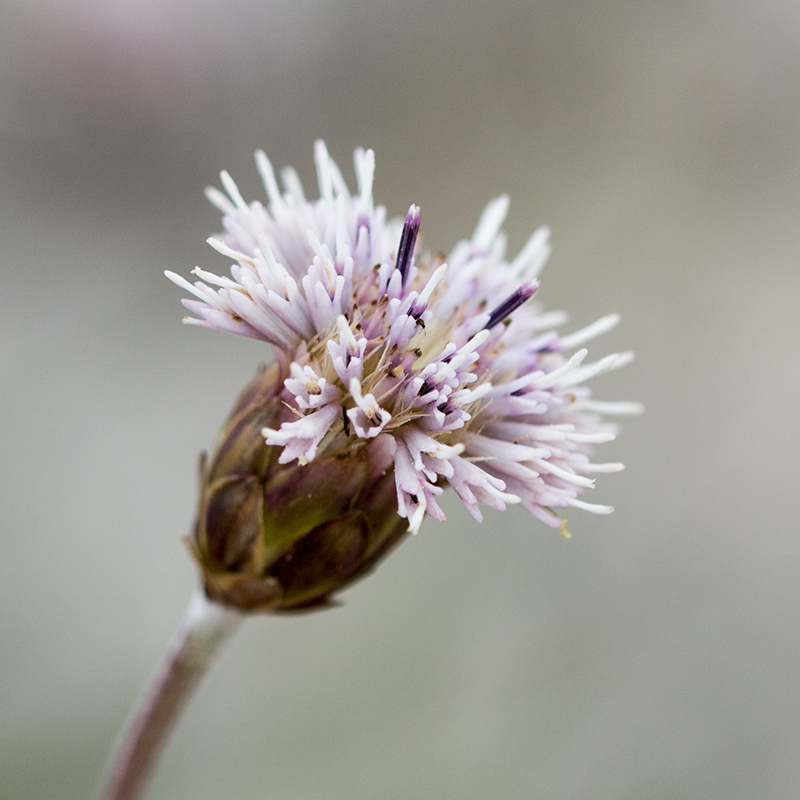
407, 241
233, 190
324, 177
345, 421
223, 248
218, 199
268, 178
291, 180
489, 224
512, 303
602, 325
365, 174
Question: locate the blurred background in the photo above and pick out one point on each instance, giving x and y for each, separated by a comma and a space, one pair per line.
654, 655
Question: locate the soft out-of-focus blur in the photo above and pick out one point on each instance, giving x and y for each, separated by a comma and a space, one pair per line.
654, 654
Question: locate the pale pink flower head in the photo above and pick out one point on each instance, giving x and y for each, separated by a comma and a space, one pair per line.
444, 366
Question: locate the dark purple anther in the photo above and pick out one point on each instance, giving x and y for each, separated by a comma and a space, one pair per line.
407, 240
512, 303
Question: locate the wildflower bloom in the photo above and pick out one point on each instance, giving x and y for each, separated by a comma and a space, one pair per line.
443, 371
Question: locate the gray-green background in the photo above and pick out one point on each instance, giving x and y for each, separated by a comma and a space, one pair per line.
655, 655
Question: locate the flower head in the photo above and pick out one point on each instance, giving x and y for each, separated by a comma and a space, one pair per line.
444, 367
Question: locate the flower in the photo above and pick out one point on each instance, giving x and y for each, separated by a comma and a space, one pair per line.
444, 367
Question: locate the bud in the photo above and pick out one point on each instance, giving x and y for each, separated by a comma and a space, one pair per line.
286, 537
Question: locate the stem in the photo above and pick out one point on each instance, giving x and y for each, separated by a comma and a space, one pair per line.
205, 627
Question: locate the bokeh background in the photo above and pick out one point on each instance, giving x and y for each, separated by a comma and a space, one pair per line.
654, 655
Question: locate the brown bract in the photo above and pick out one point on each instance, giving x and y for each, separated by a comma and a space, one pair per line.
285, 537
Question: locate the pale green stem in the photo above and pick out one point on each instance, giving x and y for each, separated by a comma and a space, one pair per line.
205, 627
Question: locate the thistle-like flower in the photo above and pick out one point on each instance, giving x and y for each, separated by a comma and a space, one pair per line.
395, 374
